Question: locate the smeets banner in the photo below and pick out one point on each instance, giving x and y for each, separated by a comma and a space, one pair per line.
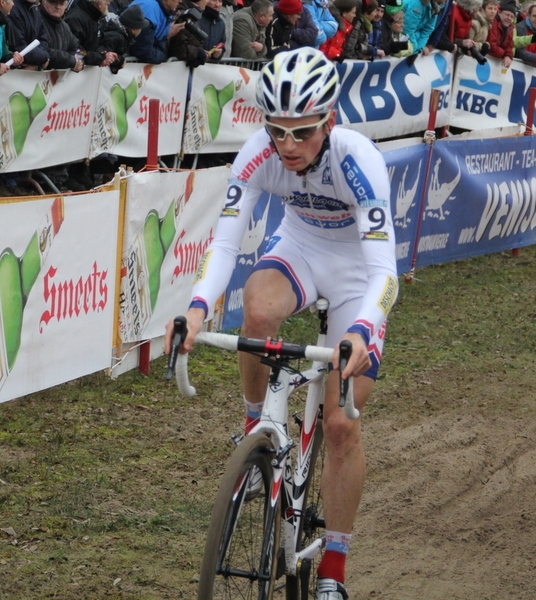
57, 289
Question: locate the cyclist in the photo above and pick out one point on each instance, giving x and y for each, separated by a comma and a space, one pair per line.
336, 240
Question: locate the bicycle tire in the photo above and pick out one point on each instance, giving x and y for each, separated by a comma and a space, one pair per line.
312, 524
242, 547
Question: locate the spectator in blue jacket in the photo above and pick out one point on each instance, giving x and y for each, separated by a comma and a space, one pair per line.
419, 22
151, 44
324, 21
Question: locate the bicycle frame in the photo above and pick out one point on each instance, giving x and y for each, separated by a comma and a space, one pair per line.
274, 422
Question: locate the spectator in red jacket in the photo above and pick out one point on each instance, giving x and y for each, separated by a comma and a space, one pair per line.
463, 13
345, 12
501, 33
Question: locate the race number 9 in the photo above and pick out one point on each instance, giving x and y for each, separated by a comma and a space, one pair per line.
376, 217
234, 193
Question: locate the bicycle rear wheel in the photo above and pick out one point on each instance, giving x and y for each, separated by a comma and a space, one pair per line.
242, 546
312, 525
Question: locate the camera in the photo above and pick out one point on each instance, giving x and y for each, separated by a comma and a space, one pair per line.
190, 17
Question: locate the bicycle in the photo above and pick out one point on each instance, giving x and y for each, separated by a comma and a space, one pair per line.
255, 535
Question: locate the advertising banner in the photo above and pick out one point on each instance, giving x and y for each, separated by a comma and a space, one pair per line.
170, 220
488, 96
46, 118
480, 199
57, 288
122, 113
222, 113
389, 98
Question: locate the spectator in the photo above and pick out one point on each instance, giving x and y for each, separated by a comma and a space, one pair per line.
249, 30
305, 31
344, 12
5, 38
214, 26
62, 43
463, 13
481, 24
357, 45
501, 33
374, 17
527, 28
420, 19
187, 45
120, 32
278, 32
83, 19
324, 21
439, 38
151, 44
524, 10
27, 26
226, 13
395, 43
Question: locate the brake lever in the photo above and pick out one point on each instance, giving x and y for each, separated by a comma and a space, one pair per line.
345, 351
180, 331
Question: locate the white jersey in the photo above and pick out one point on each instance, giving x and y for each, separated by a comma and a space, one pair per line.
339, 211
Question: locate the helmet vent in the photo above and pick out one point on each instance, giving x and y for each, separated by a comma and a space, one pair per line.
286, 87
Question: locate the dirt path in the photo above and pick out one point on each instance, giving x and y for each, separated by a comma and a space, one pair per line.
448, 510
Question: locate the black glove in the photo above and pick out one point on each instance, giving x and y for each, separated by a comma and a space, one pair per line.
533, 40
117, 64
484, 49
199, 59
395, 47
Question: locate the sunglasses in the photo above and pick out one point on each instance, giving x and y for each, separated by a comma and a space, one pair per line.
301, 133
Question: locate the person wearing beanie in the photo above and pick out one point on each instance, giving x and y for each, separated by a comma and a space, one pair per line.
481, 24
118, 33
344, 12
525, 37
501, 33
395, 43
375, 36
278, 32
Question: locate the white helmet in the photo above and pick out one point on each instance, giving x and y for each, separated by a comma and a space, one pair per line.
298, 83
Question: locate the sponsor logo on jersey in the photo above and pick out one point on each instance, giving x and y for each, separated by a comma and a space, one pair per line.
375, 235
356, 180
314, 202
202, 267
388, 295
256, 162
326, 176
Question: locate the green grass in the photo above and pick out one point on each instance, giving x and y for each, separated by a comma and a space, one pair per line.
106, 486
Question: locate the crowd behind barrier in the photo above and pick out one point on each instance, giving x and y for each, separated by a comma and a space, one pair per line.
95, 115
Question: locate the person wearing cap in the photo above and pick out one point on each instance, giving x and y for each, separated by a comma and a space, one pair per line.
151, 45
395, 43
249, 30
344, 12
501, 33
323, 19
62, 43
278, 32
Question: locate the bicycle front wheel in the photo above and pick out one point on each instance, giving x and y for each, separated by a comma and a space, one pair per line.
242, 546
